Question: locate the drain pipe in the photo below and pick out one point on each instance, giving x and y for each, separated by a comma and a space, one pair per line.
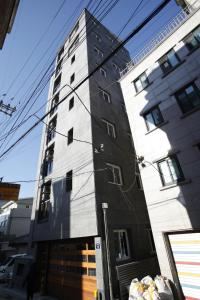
104, 208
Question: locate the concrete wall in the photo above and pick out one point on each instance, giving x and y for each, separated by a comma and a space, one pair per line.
176, 207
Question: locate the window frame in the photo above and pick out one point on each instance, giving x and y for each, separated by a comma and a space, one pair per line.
183, 91
57, 84
112, 168
44, 202
191, 34
138, 79
99, 52
125, 232
48, 161
168, 160
150, 112
111, 126
53, 104
103, 72
51, 132
102, 94
165, 59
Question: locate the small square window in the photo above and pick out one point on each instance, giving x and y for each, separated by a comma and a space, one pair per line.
170, 170
114, 174
69, 176
73, 59
141, 82
72, 78
71, 103
188, 97
70, 136
169, 61
153, 118
122, 251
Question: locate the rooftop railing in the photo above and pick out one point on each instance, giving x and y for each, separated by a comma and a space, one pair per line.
167, 30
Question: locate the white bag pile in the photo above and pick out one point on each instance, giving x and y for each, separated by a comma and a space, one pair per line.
149, 289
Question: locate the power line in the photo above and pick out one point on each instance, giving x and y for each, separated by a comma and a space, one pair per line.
121, 44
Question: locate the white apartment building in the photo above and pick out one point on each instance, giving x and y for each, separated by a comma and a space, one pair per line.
161, 88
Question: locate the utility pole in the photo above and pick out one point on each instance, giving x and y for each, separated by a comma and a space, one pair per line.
7, 109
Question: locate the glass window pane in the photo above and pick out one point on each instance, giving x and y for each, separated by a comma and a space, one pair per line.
165, 172
193, 97
184, 102
157, 116
150, 121
172, 58
144, 80
117, 175
175, 172
117, 245
191, 42
138, 85
124, 246
197, 34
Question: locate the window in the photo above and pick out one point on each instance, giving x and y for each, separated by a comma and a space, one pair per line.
104, 95
114, 174
138, 178
97, 36
110, 128
72, 78
73, 45
71, 103
73, 59
54, 102
103, 72
59, 67
57, 84
70, 136
116, 67
98, 52
121, 244
47, 166
151, 240
141, 82
170, 170
51, 130
74, 31
123, 107
44, 200
188, 97
169, 61
153, 118
192, 41
69, 181
60, 53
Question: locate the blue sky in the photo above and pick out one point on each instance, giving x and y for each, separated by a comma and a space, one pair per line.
34, 40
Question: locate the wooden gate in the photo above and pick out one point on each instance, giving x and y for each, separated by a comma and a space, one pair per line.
71, 272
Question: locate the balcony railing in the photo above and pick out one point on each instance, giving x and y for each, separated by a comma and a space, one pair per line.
167, 30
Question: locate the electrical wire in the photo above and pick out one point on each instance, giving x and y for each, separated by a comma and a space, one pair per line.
129, 37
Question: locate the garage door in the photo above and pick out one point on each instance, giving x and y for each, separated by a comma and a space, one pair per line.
186, 253
71, 271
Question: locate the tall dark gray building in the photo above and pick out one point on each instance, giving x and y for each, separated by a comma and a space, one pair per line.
87, 159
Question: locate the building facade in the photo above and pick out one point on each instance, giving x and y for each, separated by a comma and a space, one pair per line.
86, 159
161, 88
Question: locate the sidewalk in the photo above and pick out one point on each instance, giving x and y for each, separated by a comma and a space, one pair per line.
7, 293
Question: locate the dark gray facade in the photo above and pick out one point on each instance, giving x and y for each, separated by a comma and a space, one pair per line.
103, 164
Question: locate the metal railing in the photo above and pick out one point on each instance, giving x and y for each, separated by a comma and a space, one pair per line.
167, 30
